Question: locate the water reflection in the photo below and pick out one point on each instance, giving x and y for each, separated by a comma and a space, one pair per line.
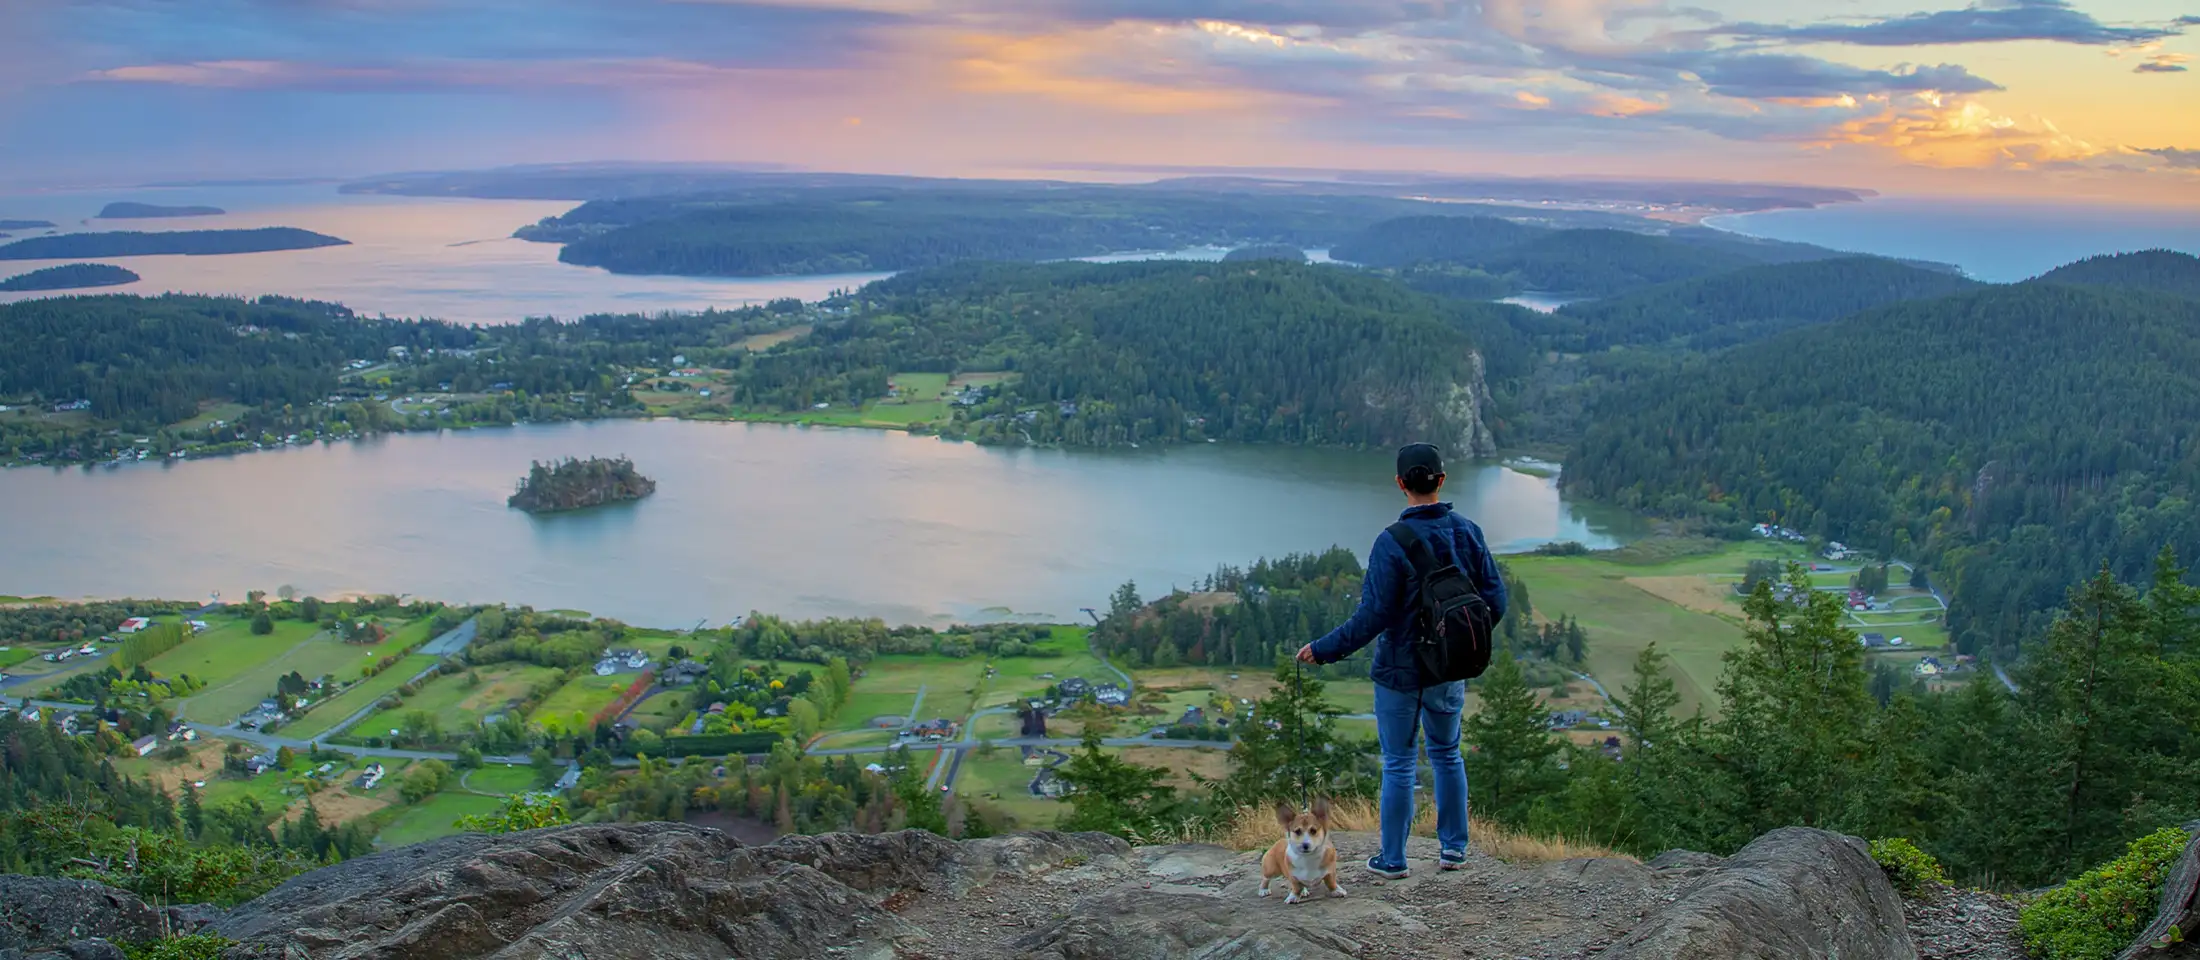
811, 522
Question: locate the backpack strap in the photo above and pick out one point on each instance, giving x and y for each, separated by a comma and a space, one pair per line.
1417, 552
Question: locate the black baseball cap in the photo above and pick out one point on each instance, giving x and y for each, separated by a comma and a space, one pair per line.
1420, 456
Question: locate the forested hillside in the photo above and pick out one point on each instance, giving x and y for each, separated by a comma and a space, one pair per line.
853, 230
131, 243
2012, 438
1751, 303
1483, 256
2165, 270
69, 276
1157, 352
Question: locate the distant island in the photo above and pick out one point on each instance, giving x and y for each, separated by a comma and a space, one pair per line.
186, 242
579, 484
1266, 251
126, 210
24, 224
71, 276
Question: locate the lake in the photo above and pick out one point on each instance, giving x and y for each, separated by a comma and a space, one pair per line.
448, 258
803, 522
2001, 241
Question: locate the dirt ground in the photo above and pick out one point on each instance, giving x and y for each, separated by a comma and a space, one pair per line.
1699, 593
205, 761
337, 806
1181, 763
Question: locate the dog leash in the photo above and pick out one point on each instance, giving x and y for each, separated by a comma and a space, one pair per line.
1298, 678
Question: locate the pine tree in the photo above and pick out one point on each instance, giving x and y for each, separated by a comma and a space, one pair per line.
1300, 756
1646, 704
1795, 710
1513, 758
1112, 795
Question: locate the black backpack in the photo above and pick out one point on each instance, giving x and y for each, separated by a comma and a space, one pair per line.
1449, 630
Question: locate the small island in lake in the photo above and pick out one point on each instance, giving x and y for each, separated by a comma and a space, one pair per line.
69, 276
24, 224
579, 484
126, 210
1266, 251
130, 243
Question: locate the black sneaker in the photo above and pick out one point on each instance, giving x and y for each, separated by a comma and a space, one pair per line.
1399, 874
1451, 860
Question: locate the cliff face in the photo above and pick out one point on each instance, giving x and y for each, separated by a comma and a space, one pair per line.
665, 890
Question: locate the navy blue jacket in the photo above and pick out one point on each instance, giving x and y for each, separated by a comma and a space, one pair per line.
1387, 595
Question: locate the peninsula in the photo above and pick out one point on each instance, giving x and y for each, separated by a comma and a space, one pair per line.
25, 224
186, 242
579, 484
70, 276
127, 210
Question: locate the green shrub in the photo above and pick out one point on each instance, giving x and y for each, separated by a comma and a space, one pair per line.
2104, 909
1913, 871
198, 946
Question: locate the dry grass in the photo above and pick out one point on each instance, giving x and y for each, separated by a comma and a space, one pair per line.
766, 341
337, 807
1255, 828
1699, 593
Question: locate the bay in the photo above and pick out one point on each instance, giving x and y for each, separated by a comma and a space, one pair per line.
447, 258
804, 522
1996, 240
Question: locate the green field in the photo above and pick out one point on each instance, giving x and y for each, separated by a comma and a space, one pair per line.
661, 710
587, 693
889, 686
1693, 617
501, 779
458, 708
333, 711
272, 789
14, 655
433, 817
1006, 775
1017, 678
228, 648
313, 657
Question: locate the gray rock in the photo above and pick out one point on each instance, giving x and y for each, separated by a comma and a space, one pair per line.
615, 891
93, 949
48, 913
1163, 924
1791, 894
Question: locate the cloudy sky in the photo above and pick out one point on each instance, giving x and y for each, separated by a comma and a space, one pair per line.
2085, 98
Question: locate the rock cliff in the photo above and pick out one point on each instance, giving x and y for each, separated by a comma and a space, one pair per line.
667, 890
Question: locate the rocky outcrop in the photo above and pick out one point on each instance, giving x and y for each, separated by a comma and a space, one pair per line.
611, 891
51, 917
1791, 894
667, 890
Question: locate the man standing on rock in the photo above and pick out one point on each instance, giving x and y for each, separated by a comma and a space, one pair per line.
1405, 703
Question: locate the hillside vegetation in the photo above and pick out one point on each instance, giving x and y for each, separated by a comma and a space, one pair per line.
855, 230
1149, 352
69, 276
130, 243
2167, 271
1751, 303
2013, 438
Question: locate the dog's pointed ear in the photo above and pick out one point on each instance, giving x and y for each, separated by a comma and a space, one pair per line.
1321, 810
1285, 814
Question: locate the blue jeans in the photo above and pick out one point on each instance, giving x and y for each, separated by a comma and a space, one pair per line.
1398, 718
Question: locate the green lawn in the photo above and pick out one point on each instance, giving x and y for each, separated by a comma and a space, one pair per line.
316, 656
587, 693
662, 710
344, 704
228, 648
947, 683
458, 707
1622, 618
13, 655
272, 789
1017, 678
434, 817
1006, 775
501, 779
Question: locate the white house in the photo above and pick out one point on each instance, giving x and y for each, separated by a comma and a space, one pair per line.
133, 625
145, 745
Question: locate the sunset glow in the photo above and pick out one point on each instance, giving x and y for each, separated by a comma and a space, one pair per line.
2019, 97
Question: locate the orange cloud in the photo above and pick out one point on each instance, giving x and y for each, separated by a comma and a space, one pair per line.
1615, 105
1935, 131
1076, 67
1532, 99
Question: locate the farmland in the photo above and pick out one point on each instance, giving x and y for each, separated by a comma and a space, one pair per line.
337, 708
315, 655
456, 705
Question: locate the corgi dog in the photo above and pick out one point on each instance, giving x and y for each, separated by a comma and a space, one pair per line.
1304, 856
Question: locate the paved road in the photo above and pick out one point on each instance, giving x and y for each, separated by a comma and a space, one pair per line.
2003, 676
452, 641
1026, 742
1094, 646
911, 719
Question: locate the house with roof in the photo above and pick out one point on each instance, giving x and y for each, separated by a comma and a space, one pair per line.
259, 765
133, 625
1193, 717
683, 673
936, 729
1074, 688
145, 745
1110, 695
1049, 784
1872, 639
371, 776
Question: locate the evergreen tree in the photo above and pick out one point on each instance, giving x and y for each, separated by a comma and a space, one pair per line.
1795, 711
1289, 749
1513, 758
1112, 795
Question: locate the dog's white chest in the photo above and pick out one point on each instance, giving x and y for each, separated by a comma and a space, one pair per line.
1306, 867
